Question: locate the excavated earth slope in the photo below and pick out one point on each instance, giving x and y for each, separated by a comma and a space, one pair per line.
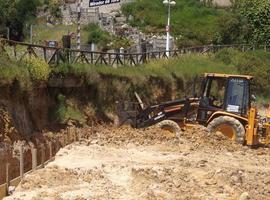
123, 163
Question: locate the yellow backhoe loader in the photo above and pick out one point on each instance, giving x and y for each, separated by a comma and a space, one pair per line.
225, 105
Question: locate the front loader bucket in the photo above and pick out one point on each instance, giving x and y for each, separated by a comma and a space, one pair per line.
127, 112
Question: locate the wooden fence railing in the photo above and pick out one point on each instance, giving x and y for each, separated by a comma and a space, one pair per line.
27, 159
55, 56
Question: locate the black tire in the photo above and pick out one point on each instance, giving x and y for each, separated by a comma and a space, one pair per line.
171, 126
235, 125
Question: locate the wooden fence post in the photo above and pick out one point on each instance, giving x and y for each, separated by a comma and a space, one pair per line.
74, 135
7, 177
57, 144
42, 155
21, 162
67, 139
50, 150
67, 135
63, 140
79, 136
34, 158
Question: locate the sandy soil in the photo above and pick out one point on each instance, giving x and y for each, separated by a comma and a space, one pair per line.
122, 163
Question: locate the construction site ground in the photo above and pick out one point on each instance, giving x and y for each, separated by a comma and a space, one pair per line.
124, 163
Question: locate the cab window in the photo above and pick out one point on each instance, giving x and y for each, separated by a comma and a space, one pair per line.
216, 92
237, 96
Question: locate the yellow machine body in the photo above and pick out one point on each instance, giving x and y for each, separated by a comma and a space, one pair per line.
224, 105
252, 128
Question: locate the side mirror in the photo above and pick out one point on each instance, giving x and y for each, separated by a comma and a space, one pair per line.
253, 98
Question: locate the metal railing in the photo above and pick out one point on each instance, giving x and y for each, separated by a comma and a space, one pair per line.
55, 56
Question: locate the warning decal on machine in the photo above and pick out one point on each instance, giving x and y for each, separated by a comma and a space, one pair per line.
233, 108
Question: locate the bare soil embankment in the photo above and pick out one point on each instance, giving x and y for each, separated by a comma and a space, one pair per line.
122, 163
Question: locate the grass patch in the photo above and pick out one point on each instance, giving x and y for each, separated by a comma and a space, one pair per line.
43, 32
11, 71
191, 20
186, 67
158, 72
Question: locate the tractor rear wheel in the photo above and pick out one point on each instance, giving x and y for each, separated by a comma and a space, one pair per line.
228, 126
170, 126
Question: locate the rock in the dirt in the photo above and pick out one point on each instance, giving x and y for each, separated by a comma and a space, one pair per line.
244, 196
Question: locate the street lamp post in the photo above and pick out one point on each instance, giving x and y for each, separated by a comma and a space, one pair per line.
79, 12
169, 3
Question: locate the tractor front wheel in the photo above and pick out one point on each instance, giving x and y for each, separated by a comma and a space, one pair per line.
170, 126
228, 126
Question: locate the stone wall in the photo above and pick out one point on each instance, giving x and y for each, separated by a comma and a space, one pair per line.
218, 3
89, 15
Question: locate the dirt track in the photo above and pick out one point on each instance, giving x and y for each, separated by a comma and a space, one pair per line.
151, 164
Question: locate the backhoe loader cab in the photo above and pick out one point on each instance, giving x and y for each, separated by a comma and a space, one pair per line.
224, 104
226, 93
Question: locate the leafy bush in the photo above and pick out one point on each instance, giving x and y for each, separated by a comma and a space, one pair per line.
11, 71
226, 55
104, 39
38, 69
54, 7
98, 36
66, 112
257, 19
255, 63
87, 72
230, 30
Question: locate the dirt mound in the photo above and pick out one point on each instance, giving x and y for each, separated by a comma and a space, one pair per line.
123, 163
196, 138
200, 137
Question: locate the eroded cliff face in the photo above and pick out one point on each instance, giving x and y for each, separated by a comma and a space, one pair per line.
22, 112
26, 112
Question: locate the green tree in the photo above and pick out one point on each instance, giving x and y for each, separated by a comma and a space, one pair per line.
229, 30
97, 36
15, 14
255, 19
54, 8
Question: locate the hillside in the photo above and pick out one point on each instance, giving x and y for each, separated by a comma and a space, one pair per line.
192, 21
86, 93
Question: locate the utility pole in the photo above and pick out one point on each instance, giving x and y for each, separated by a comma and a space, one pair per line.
79, 10
169, 3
